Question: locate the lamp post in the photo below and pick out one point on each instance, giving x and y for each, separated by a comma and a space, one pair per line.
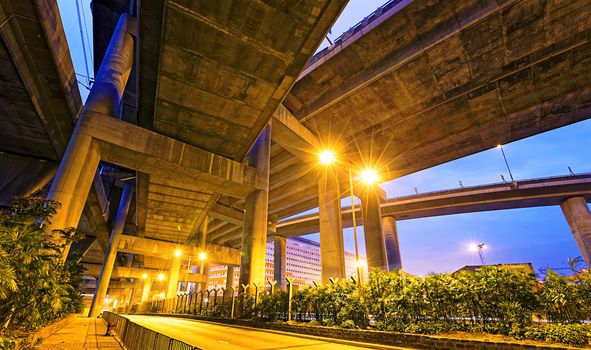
479, 247
359, 274
506, 163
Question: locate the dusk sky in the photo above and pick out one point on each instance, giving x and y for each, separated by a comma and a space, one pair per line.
440, 244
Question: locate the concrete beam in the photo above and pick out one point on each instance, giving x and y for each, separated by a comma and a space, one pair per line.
227, 214
137, 273
146, 151
529, 193
144, 246
294, 136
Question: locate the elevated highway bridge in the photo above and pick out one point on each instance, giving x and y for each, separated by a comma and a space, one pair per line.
203, 126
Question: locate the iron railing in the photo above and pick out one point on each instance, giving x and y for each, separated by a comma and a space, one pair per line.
136, 337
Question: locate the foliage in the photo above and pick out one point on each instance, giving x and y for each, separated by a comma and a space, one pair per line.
572, 334
493, 299
36, 287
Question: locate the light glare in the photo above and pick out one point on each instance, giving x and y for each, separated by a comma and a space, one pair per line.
178, 252
202, 256
326, 157
145, 275
369, 176
161, 277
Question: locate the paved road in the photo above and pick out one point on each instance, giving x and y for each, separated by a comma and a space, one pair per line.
212, 336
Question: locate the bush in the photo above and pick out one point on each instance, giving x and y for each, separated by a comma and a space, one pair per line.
572, 334
36, 287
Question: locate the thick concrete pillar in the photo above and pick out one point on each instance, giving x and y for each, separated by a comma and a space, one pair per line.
230, 277
280, 261
147, 286
375, 247
254, 235
173, 277
391, 241
80, 161
107, 268
332, 248
578, 217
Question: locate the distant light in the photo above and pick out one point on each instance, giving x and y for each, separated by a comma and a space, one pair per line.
202, 256
206, 300
161, 277
369, 176
178, 252
161, 295
477, 246
499, 145
360, 263
145, 275
326, 157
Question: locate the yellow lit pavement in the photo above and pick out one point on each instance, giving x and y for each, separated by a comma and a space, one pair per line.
213, 336
81, 334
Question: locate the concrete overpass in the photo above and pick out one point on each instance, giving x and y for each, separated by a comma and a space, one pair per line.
499, 196
204, 122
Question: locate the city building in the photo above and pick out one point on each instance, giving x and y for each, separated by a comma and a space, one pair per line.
303, 263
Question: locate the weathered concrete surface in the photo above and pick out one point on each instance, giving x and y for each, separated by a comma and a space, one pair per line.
577, 215
223, 68
392, 244
332, 249
39, 97
375, 244
143, 246
280, 261
529, 193
439, 80
137, 273
111, 253
254, 236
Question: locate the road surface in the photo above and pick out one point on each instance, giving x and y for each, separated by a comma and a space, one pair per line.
214, 336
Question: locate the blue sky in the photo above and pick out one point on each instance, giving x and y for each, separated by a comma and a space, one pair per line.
439, 244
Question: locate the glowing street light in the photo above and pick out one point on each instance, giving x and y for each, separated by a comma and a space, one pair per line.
326, 157
145, 275
202, 256
479, 248
369, 176
161, 277
178, 252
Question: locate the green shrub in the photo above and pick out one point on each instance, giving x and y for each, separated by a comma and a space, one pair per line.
572, 334
36, 287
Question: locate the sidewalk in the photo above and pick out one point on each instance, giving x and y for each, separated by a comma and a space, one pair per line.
81, 334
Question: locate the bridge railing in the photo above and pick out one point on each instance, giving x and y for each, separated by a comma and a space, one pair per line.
136, 337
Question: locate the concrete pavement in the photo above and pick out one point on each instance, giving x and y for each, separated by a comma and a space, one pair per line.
82, 333
212, 336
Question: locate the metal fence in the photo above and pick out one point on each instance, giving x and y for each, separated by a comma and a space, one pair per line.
136, 337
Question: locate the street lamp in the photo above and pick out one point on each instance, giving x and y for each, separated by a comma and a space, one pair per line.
479, 247
326, 157
506, 163
145, 275
369, 176
160, 277
359, 275
178, 252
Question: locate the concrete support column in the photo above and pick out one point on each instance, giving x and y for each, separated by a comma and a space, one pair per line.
109, 261
254, 235
375, 247
147, 286
332, 248
173, 277
391, 241
578, 217
230, 277
280, 261
80, 161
